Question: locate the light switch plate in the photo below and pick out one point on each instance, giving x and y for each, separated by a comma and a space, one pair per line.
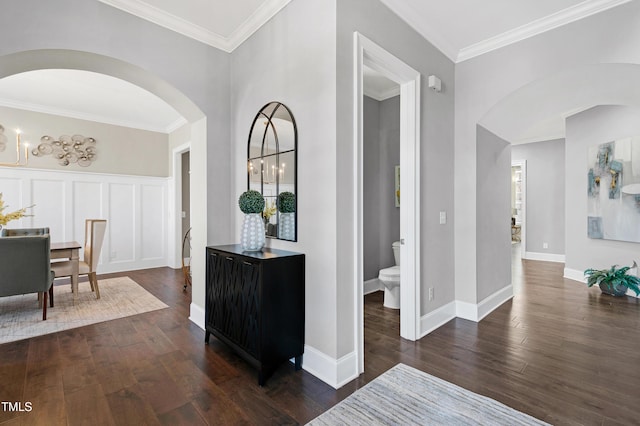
443, 218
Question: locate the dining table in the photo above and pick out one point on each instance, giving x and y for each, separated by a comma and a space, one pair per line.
69, 250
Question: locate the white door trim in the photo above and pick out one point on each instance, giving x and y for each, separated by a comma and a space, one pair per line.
523, 189
370, 54
175, 206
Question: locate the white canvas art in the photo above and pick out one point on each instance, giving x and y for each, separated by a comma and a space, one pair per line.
613, 194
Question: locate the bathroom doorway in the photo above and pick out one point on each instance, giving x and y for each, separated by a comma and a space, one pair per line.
381, 163
369, 54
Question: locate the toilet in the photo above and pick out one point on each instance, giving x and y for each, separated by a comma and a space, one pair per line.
390, 277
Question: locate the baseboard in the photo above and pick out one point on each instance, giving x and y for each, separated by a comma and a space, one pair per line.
574, 274
437, 318
335, 373
493, 302
373, 285
475, 312
546, 257
113, 267
196, 315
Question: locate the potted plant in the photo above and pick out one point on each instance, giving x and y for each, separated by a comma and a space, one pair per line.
252, 204
287, 220
614, 281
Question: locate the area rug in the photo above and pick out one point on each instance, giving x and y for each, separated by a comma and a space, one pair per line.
21, 317
406, 396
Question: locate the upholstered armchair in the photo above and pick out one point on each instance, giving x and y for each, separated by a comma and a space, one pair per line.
16, 232
25, 267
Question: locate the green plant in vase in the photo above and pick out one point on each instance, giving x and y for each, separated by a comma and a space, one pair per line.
251, 204
614, 281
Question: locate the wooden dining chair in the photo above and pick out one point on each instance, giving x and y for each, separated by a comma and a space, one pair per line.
93, 237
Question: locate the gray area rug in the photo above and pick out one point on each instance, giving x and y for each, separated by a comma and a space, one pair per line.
406, 396
21, 317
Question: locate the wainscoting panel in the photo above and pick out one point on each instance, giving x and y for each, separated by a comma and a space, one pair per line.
134, 207
153, 206
122, 211
87, 204
47, 196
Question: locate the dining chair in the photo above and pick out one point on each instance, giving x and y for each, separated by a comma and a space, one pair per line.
15, 232
25, 268
93, 237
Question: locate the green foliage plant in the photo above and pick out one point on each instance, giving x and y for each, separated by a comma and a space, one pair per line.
612, 278
251, 201
286, 202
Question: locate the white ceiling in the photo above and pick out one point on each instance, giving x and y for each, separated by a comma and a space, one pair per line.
461, 29
88, 96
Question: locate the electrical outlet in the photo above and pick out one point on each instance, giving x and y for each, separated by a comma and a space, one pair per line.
430, 293
443, 218
545, 245
114, 254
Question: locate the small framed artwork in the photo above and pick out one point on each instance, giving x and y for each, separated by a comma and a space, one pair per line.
397, 195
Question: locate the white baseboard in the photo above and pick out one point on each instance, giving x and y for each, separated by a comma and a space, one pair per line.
546, 257
373, 285
335, 373
493, 302
437, 318
109, 268
574, 274
196, 315
475, 312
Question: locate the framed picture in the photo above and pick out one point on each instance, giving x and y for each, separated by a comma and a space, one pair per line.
397, 194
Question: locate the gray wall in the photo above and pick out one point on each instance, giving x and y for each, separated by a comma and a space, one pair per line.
186, 199
486, 82
493, 200
545, 218
585, 130
376, 22
291, 59
381, 154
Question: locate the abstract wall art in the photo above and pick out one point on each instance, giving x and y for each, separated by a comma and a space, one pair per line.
613, 190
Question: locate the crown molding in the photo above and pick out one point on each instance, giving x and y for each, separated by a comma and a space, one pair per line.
258, 18
380, 95
152, 14
9, 103
555, 20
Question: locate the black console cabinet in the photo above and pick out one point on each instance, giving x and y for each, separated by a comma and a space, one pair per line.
255, 304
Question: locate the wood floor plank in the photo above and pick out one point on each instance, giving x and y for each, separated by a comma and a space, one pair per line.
559, 351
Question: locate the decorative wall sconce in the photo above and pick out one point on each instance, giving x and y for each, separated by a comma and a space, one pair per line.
3, 145
68, 149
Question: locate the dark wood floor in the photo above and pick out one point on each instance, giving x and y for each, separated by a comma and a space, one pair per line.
558, 351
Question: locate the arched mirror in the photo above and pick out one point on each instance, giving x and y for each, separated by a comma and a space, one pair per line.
272, 158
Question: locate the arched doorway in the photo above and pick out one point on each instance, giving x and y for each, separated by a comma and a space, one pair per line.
31, 60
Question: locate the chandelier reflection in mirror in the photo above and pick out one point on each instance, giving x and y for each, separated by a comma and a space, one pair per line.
75, 149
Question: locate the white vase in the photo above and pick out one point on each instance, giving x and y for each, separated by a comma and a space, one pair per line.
252, 238
287, 226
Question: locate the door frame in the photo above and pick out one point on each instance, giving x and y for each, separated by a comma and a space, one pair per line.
370, 54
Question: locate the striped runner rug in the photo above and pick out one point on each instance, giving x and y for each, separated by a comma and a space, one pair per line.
406, 396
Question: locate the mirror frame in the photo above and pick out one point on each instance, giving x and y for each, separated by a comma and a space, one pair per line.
261, 115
